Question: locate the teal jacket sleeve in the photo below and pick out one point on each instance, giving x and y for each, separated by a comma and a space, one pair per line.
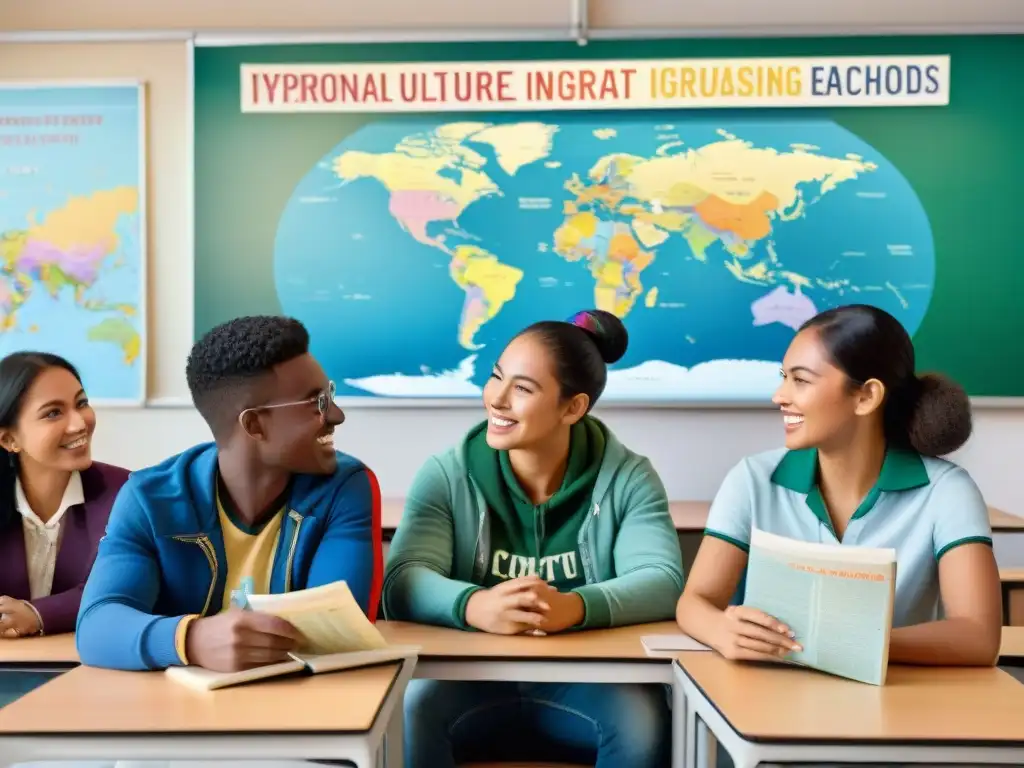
417, 581
648, 562
116, 627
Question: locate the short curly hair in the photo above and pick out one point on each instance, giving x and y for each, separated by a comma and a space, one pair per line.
225, 362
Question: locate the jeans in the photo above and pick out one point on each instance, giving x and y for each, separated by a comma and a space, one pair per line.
451, 722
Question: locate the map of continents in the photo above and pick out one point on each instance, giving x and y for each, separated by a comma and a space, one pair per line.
70, 239
684, 223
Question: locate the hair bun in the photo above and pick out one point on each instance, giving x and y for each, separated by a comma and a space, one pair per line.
607, 331
941, 418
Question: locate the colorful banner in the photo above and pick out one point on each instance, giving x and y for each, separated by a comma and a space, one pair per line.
847, 81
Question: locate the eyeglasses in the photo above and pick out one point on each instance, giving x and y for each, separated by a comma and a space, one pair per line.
323, 402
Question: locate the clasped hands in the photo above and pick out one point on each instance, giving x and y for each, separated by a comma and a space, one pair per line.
17, 619
525, 604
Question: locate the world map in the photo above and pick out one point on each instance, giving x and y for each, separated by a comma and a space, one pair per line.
415, 250
71, 248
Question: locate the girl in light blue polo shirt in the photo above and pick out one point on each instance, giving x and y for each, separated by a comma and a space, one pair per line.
860, 468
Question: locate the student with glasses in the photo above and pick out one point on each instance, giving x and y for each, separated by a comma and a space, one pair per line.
270, 506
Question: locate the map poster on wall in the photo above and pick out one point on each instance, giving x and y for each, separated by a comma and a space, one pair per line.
72, 230
417, 205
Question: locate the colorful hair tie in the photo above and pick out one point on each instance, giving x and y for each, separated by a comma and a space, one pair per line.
585, 320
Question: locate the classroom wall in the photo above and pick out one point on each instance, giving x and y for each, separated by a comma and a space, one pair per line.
662, 17
692, 448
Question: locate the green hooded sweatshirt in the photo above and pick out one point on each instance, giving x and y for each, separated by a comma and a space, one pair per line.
625, 543
528, 539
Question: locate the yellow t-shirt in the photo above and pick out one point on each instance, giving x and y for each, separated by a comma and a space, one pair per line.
250, 554
250, 559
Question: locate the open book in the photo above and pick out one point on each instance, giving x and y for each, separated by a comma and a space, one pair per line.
336, 636
837, 600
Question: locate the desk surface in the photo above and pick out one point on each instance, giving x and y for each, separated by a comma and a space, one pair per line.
917, 704
1012, 576
90, 700
1004, 522
1012, 644
50, 649
692, 516
619, 644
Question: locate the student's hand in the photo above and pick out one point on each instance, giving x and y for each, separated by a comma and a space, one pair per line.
509, 608
566, 608
752, 635
17, 619
237, 640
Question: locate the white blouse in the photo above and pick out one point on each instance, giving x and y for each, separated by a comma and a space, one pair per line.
42, 540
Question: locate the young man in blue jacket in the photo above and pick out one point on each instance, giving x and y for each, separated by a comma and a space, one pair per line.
268, 507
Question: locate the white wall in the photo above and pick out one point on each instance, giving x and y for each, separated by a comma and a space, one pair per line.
691, 448
662, 17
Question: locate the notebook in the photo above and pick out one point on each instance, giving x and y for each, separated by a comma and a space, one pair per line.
837, 600
670, 645
336, 635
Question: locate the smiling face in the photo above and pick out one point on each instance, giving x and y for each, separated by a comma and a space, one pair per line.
295, 427
54, 425
524, 400
820, 405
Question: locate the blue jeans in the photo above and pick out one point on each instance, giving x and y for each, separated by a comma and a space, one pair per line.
448, 723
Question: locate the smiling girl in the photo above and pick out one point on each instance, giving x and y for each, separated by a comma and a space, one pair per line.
541, 521
860, 468
54, 499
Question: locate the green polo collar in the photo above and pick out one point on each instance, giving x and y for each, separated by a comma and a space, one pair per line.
798, 471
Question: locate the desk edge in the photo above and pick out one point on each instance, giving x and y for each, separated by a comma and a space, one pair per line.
805, 741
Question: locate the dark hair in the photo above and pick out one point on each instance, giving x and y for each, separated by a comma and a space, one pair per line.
226, 361
582, 348
18, 372
930, 413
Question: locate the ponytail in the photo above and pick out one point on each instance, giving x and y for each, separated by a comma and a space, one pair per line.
940, 418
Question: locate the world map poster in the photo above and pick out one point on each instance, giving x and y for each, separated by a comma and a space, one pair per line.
72, 244
416, 214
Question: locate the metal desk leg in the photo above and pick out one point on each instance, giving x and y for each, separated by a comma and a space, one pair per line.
394, 739
706, 747
679, 715
690, 739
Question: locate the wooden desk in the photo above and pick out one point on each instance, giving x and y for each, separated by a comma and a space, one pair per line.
599, 656
1004, 522
774, 714
592, 656
1012, 581
390, 516
53, 651
691, 517
441, 643
1012, 646
144, 715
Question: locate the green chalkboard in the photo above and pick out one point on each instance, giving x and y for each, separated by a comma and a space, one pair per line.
964, 161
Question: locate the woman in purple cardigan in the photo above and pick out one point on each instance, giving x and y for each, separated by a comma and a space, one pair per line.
54, 499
